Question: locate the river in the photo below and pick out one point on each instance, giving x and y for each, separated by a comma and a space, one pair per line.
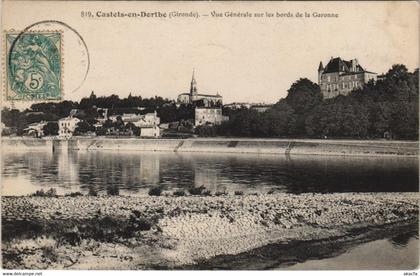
133, 173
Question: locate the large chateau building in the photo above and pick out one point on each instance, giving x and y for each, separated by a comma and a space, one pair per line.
340, 77
199, 99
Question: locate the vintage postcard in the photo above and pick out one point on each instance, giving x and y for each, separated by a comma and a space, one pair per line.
209, 136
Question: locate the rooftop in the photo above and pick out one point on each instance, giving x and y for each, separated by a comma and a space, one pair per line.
340, 65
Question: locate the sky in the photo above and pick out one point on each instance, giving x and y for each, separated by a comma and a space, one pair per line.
243, 59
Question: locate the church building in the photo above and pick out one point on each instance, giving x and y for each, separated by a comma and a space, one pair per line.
340, 77
199, 99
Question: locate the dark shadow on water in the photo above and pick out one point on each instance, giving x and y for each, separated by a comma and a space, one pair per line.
401, 241
283, 255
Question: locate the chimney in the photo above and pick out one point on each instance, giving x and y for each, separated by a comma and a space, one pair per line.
354, 64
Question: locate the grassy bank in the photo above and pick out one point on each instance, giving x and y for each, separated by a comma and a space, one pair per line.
117, 232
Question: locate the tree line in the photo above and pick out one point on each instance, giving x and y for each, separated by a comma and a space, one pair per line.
89, 109
387, 107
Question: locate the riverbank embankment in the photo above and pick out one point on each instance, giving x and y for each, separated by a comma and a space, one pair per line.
223, 145
120, 232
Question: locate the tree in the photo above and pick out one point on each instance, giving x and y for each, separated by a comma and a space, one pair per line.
133, 128
168, 113
380, 119
243, 122
206, 131
281, 119
51, 128
303, 95
13, 118
83, 127
397, 71
108, 124
119, 124
404, 122
38, 117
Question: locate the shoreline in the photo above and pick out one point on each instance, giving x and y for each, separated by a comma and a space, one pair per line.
186, 232
273, 256
287, 147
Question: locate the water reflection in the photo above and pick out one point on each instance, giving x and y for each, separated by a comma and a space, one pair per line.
68, 168
134, 173
361, 252
402, 240
378, 255
149, 169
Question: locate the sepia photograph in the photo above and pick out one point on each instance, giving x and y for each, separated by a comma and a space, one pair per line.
232, 135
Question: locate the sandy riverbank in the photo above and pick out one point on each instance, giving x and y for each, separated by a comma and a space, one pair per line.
117, 232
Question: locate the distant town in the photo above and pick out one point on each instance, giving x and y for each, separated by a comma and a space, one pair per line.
347, 102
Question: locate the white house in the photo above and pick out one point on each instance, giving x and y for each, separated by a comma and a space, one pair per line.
126, 117
148, 123
149, 131
66, 127
137, 119
148, 119
206, 115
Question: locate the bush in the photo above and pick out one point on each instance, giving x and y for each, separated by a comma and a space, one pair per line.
18, 228
142, 224
49, 193
74, 194
206, 131
206, 193
92, 192
72, 238
239, 193
138, 223
155, 191
196, 190
270, 192
221, 193
39, 193
113, 190
179, 193
104, 229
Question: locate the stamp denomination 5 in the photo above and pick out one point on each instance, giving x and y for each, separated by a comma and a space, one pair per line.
34, 65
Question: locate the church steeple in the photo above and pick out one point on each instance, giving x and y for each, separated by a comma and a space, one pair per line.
320, 67
320, 72
193, 89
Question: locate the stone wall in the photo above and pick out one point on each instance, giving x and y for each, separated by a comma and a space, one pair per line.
223, 145
25, 143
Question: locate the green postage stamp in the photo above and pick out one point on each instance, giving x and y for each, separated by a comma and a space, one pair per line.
33, 66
